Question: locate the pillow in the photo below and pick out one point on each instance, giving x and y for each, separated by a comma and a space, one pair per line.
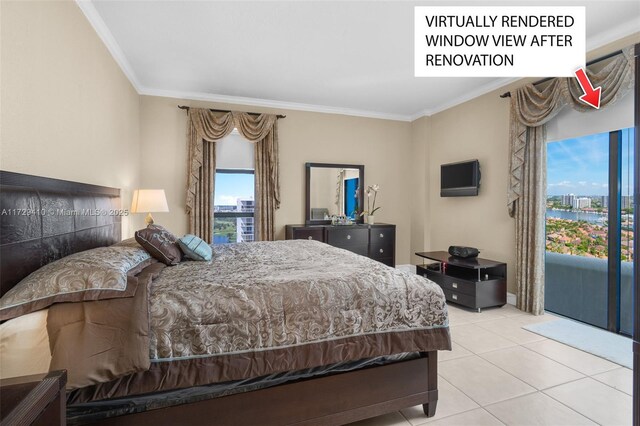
195, 248
24, 345
160, 243
95, 274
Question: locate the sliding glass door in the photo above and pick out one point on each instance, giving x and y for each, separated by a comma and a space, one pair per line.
589, 225
627, 249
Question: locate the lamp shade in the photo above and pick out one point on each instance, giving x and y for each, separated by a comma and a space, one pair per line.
149, 201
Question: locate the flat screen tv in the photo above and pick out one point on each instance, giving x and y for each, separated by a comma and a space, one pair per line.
460, 179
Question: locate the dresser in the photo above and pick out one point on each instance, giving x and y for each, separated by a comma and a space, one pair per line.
377, 241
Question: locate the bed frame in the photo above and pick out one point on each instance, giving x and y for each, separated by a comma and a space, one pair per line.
32, 235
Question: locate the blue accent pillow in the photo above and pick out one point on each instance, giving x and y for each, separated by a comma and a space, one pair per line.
195, 248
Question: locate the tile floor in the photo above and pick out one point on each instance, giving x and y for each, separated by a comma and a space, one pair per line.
500, 374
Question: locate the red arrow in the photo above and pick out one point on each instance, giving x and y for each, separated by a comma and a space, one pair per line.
591, 96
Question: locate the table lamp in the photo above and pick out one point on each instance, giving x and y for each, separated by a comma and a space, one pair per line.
150, 201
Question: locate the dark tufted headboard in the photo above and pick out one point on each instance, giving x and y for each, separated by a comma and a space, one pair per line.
44, 219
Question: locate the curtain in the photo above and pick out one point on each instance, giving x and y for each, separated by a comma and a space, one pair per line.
531, 109
204, 128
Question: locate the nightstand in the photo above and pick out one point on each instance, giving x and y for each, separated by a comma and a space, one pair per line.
39, 399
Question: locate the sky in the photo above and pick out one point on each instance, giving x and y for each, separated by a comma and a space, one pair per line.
580, 166
231, 186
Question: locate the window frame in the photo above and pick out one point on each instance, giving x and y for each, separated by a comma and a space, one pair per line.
236, 215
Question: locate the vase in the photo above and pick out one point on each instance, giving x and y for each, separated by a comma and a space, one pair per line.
371, 220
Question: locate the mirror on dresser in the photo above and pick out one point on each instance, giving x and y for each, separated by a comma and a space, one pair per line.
333, 190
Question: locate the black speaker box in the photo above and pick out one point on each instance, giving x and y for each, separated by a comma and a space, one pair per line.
463, 252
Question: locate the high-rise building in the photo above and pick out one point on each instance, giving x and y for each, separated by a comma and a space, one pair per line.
604, 201
567, 200
245, 205
581, 203
244, 225
626, 202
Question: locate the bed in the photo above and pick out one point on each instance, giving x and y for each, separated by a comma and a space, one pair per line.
293, 332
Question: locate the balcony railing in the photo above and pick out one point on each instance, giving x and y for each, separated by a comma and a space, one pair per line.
576, 287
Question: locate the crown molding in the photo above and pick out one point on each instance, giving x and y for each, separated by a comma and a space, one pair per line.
99, 26
267, 103
617, 32
472, 94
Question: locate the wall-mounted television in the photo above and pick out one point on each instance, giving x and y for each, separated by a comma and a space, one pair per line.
460, 179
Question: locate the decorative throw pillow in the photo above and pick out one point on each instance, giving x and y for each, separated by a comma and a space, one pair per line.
195, 248
96, 274
160, 243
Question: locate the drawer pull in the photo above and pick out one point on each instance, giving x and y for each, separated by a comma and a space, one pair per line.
381, 251
309, 237
381, 235
454, 285
454, 296
348, 237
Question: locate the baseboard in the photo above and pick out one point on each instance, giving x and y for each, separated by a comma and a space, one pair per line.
511, 298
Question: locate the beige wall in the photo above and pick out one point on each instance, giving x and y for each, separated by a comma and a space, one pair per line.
420, 217
68, 111
383, 146
476, 129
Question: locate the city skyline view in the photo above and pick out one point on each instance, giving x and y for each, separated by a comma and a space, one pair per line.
234, 194
578, 196
229, 187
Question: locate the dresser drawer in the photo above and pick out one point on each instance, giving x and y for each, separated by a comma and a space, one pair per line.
386, 260
361, 249
460, 298
381, 235
308, 234
348, 237
380, 250
452, 283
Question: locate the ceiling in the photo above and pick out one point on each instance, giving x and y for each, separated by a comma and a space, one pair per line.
352, 58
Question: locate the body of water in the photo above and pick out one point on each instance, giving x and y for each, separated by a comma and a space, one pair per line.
570, 215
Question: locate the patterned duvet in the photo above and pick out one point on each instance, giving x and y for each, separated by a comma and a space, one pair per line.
255, 309
267, 295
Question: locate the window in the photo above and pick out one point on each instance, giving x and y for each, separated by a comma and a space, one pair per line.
234, 191
589, 229
233, 206
578, 196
